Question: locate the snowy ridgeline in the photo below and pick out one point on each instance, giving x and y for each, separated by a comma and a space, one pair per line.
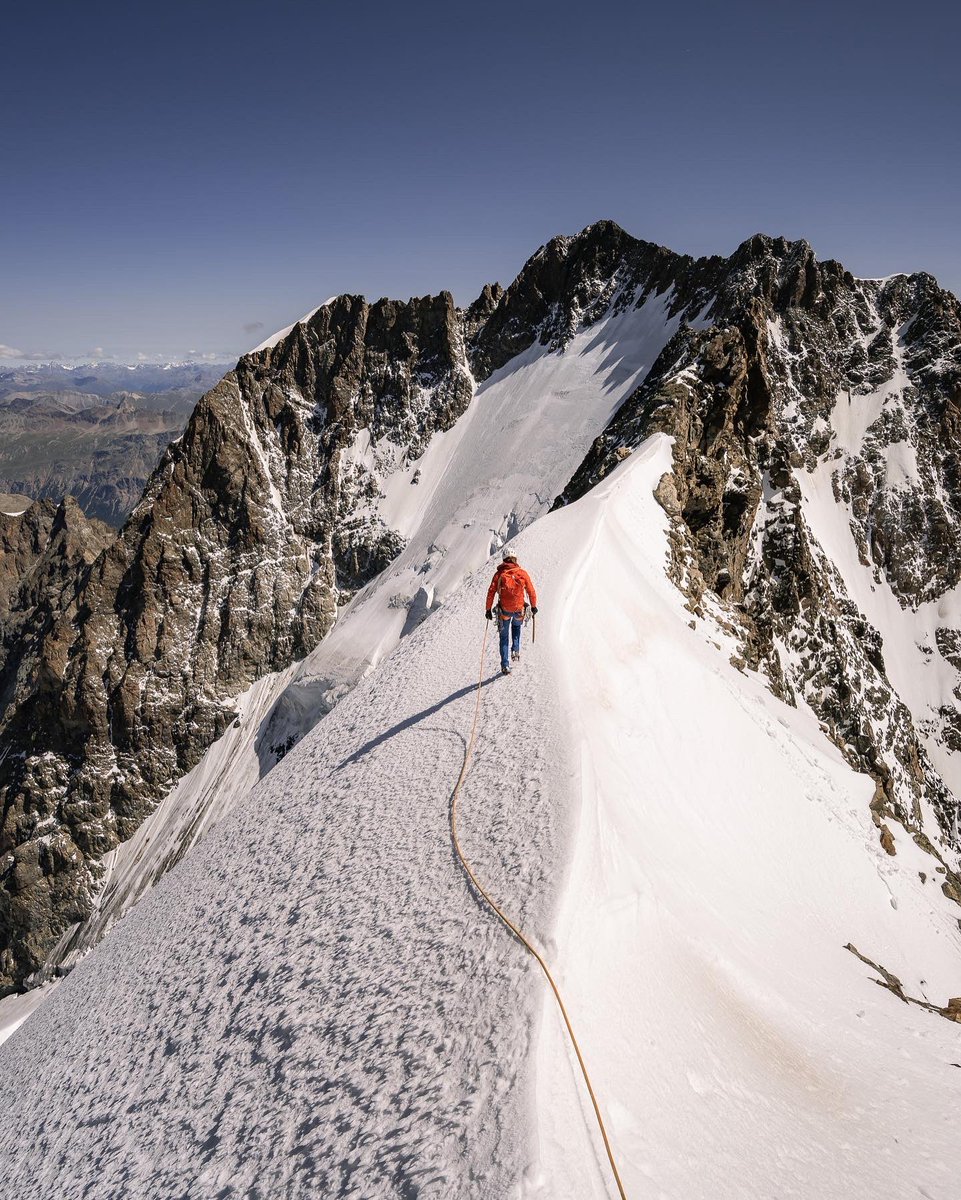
477, 484
315, 1003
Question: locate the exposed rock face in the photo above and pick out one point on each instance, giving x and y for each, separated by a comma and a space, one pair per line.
45, 555
257, 524
230, 567
811, 390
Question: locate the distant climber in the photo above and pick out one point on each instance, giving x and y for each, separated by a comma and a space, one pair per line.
510, 582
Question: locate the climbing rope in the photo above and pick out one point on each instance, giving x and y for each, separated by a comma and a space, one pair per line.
468, 753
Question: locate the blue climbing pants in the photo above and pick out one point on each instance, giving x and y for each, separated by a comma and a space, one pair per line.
510, 635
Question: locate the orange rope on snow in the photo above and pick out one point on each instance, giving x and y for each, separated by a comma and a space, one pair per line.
468, 753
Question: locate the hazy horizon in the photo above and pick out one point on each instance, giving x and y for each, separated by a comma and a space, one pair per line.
9, 358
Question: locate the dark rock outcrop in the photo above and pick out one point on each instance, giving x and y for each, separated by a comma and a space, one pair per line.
230, 567
123, 657
805, 373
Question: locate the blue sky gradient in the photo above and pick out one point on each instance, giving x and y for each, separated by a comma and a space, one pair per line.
188, 178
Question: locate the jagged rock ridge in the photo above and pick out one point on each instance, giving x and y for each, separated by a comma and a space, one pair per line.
807, 378
256, 526
252, 530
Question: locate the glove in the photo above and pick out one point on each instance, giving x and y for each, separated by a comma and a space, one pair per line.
534, 609
488, 615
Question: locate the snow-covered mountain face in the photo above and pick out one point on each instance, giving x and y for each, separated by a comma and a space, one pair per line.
815, 501
316, 1003
338, 484
261, 523
718, 791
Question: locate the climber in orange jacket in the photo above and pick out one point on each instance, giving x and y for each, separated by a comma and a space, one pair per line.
510, 582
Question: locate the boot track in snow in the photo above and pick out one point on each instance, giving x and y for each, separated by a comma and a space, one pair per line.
514, 929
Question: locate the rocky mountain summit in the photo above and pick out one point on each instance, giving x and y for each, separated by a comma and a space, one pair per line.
803, 403
815, 408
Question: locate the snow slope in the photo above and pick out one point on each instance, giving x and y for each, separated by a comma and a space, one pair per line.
315, 1003
14, 1010
524, 434
725, 856
526, 430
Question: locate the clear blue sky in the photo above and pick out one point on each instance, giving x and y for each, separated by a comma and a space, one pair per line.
190, 177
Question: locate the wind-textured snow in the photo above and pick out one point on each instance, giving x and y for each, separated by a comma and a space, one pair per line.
314, 1002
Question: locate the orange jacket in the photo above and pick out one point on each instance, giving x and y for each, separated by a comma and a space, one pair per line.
511, 581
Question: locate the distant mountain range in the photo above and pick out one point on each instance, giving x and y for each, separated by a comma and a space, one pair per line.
95, 430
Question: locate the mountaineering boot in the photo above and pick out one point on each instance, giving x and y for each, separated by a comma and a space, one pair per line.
505, 670
515, 656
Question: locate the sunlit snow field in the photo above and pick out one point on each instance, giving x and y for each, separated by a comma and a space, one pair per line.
316, 1003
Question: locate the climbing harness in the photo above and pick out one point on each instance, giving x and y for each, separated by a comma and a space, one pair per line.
468, 754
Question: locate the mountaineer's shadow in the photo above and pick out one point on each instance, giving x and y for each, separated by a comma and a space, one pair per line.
413, 720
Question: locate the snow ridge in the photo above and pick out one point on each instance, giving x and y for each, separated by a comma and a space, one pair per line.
718, 791
326, 1008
